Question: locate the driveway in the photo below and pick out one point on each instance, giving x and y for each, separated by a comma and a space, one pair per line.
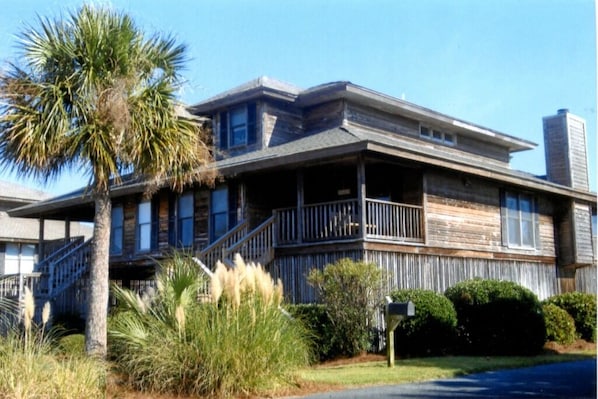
558, 380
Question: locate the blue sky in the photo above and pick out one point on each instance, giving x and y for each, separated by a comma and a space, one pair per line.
503, 64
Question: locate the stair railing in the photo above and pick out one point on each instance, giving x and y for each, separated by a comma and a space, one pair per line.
215, 251
257, 246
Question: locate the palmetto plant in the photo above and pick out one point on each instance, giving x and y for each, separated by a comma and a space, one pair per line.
90, 91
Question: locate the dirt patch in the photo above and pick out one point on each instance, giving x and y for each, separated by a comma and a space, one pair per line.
577, 346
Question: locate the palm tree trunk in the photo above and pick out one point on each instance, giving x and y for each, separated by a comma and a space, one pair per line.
97, 308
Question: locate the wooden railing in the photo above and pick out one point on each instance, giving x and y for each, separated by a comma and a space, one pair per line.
64, 271
341, 220
216, 251
257, 246
12, 285
52, 246
394, 221
57, 252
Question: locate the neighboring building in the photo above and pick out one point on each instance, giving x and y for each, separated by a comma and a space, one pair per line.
19, 237
338, 170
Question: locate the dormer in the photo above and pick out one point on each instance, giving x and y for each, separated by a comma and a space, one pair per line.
253, 116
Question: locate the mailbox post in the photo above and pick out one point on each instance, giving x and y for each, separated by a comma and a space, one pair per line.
394, 312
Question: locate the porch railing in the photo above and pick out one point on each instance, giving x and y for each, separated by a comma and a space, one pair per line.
341, 220
216, 251
12, 285
257, 246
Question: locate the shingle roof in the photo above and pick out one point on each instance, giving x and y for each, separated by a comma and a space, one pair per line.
13, 192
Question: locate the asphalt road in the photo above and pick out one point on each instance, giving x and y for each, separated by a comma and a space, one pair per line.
574, 380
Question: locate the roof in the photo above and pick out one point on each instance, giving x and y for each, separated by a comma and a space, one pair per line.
14, 194
337, 142
265, 87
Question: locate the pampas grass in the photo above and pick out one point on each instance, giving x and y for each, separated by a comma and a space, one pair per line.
239, 342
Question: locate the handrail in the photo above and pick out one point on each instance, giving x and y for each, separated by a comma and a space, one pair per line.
58, 253
12, 285
64, 271
257, 246
215, 251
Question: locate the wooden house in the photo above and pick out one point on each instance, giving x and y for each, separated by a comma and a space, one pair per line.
338, 170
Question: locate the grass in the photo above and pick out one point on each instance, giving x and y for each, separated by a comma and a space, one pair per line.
420, 369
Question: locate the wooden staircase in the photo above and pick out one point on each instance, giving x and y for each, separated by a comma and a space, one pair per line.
255, 246
57, 278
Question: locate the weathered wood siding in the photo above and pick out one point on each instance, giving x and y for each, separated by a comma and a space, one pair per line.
413, 270
281, 123
586, 280
323, 116
575, 235
464, 212
406, 127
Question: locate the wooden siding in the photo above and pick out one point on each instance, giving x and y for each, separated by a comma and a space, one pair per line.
464, 212
585, 279
405, 127
584, 248
281, 123
324, 116
413, 270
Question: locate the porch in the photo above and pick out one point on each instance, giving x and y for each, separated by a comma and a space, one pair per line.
321, 223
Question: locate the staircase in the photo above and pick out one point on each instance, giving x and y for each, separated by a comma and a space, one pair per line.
255, 246
57, 279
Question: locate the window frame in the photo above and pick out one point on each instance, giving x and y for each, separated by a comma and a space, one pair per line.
227, 129
151, 223
523, 220
117, 227
437, 135
180, 221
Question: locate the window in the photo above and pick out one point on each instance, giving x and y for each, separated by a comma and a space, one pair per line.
437, 135
519, 220
238, 127
182, 215
146, 231
219, 212
19, 258
116, 230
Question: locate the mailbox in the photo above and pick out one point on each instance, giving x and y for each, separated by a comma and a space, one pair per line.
401, 309
394, 312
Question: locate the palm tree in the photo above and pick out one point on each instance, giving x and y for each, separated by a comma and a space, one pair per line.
91, 91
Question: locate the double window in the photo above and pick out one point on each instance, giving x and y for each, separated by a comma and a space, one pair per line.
437, 135
520, 220
238, 127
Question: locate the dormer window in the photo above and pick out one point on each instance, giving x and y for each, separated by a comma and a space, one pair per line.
437, 135
238, 127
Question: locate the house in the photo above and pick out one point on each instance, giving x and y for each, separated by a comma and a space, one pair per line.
339, 170
20, 247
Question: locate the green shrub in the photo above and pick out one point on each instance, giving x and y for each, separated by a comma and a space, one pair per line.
315, 319
497, 318
351, 293
237, 342
560, 326
582, 307
432, 331
72, 344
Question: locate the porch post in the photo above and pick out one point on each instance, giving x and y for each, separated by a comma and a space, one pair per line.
40, 243
67, 228
361, 194
300, 199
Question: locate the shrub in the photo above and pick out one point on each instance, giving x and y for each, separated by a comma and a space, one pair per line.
351, 293
317, 323
72, 344
497, 318
432, 331
239, 341
560, 326
582, 307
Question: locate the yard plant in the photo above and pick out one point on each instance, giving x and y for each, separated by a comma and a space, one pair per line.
351, 292
497, 318
582, 308
237, 340
91, 91
31, 366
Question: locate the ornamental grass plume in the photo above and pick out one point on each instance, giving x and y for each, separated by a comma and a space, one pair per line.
28, 309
